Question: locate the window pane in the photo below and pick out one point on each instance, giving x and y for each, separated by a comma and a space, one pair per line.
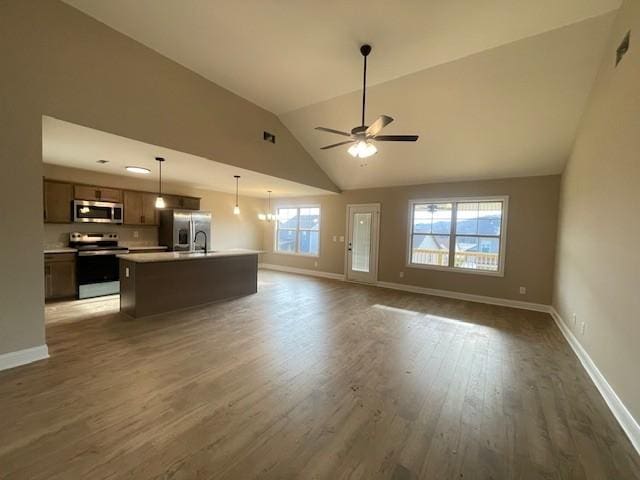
432, 218
430, 250
361, 247
287, 241
467, 218
309, 242
288, 217
489, 218
310, 218
477, 253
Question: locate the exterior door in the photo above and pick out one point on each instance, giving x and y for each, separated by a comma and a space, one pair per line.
363, 226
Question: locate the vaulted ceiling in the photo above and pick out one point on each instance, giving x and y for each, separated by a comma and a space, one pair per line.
493, 88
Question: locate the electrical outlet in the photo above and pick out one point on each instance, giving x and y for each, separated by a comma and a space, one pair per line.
574, 319
335, 238
135, 234
583, 325
341, 238
126, 272
523, 290
315, 264
401, 274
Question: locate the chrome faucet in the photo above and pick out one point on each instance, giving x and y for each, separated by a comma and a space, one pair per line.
195, 237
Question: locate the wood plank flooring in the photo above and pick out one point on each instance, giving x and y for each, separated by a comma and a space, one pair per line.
308, 379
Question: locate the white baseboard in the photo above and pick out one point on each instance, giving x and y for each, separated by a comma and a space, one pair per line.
301, 271
625, 419
469, 297
22, 357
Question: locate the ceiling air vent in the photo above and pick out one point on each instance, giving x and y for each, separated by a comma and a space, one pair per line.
623, 48
269, 137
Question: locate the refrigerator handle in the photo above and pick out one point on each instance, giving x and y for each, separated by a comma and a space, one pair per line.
192, 245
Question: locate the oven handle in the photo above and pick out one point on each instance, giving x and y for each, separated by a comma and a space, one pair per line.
102, 252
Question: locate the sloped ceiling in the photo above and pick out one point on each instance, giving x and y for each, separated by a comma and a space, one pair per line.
495, 88
507, 112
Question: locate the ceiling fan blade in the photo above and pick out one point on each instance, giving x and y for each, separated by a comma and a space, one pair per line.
381, 122
396, 138
336, 144
331, 130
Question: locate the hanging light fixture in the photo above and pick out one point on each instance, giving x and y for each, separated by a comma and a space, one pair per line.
268, 216
159, 200
236, 209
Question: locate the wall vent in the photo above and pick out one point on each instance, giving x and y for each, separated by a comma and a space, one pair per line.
623, 48
269, 137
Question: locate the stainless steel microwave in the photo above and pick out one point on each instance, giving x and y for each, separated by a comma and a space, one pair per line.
85, 211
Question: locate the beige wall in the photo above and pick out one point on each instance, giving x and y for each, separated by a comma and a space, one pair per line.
229, 230
59, 62
598, 267
533, 204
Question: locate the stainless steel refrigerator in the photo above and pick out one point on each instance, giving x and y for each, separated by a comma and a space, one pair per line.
178, 229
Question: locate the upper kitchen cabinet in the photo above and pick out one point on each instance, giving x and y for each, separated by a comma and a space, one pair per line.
187, 203
139, 208
58, 197
98, 194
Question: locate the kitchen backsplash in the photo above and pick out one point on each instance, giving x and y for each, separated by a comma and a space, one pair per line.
57, 235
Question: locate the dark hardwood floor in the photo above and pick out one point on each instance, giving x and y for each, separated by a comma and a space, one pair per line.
308, 379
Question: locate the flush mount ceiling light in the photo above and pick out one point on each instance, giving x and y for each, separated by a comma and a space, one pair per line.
142, 170
159, 200
363, 136
236, 209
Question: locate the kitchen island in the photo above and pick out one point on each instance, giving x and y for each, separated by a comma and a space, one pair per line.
153, 283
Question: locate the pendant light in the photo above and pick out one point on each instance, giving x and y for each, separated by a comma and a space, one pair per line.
268, 216
236, 209
159, 200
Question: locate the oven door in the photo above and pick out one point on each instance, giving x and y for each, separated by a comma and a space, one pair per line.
98, 273
85, 211
97, 267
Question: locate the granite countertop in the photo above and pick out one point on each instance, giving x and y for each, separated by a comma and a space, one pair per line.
60, 250
140, 248
180, 256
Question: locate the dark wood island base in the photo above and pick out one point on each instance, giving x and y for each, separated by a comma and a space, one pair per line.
153, 283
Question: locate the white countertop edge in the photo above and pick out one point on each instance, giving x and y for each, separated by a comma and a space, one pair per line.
182, 256
60, 250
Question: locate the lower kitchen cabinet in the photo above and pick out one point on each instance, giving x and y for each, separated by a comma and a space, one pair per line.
59, 275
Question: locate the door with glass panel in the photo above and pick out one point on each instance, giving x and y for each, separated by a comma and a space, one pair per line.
363, 223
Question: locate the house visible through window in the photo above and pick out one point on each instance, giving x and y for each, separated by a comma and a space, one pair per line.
298, 230
460, 234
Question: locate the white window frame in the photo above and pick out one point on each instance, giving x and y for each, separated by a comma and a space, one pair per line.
452, 235
297, 230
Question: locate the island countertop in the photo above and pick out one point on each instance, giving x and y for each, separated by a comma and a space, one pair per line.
184, 256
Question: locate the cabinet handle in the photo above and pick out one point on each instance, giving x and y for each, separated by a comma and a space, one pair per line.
98, 194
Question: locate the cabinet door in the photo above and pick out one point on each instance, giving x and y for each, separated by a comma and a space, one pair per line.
98, 194
57, 202
132, 208
110, 195
191, 203
150, 215
59, 279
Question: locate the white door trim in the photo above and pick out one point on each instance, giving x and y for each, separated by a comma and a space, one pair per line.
375, 247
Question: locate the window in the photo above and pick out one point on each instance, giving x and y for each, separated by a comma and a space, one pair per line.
458, 234
298, 231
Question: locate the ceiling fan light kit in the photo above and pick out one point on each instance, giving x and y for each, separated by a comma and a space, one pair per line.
362, 138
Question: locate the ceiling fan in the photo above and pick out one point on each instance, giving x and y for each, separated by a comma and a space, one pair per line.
363, 136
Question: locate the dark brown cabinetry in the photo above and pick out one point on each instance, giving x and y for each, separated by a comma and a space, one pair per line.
98, 194
59, 275
187, 203
139, 208
57, 201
